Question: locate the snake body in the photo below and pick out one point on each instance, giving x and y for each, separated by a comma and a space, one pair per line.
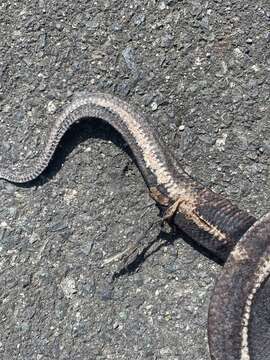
211, 220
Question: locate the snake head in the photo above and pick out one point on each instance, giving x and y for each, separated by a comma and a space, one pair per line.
239, 312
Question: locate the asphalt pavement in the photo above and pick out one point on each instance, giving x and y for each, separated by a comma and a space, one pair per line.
199, 72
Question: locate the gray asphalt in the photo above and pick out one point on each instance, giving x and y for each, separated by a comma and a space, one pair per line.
199, 71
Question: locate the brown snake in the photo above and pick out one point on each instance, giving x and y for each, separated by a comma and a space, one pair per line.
211, 220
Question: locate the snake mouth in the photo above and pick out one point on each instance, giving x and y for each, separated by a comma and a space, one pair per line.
239, 313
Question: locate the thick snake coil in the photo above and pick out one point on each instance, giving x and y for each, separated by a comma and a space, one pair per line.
209, 219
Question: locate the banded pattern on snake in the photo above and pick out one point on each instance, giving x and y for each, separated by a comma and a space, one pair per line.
211, 220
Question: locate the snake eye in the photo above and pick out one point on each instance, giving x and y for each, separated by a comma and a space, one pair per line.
239, 313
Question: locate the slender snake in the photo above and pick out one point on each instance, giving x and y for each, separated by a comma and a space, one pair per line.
209, 219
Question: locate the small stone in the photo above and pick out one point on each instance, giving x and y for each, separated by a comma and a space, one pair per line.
255, 67
205, 22
221, 142
87, 248
207, 139
162, 5
6, 108
238, 53
70, 195
25, 281
12, 211
128, 54
68, 286
123, 315
24, 327
18, 116
181, 128
59, 26
51, 107
154, 106
58, 226
10, 188
266, 148
6, 145
140, 19
249, 41
165, 351
34, 237
167, 41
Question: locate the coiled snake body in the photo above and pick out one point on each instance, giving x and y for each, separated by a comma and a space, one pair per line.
212, 221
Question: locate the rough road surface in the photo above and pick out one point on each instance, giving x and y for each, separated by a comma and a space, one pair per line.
199, 71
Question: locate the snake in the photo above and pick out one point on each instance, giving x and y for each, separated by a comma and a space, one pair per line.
231, 234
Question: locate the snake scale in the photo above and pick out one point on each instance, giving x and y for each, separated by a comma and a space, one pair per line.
230, 233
